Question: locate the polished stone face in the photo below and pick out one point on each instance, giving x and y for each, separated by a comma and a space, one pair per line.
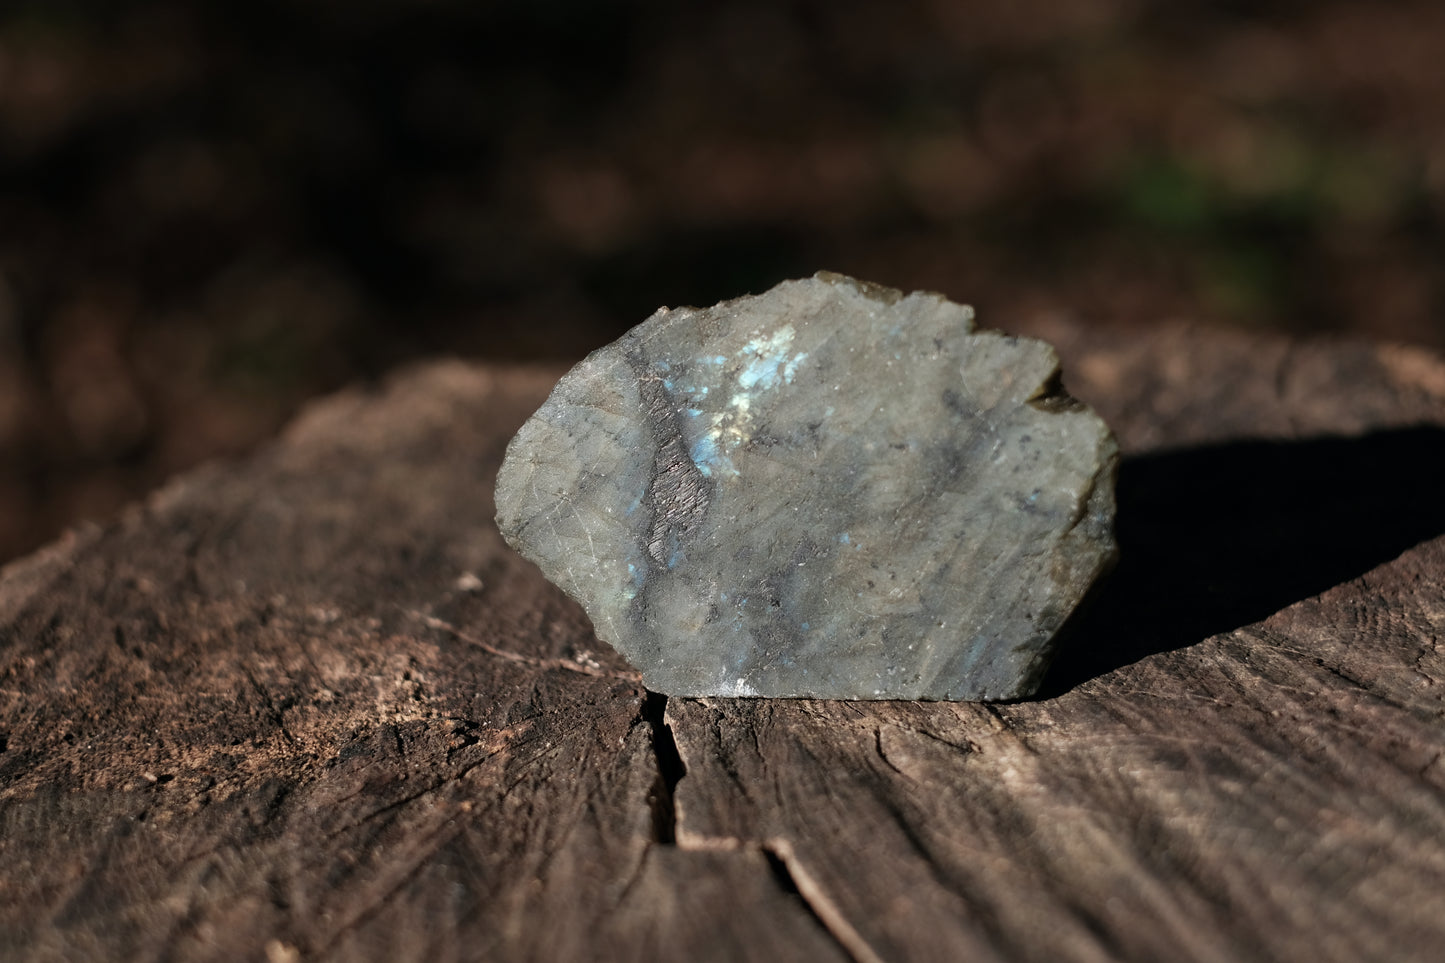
830, 490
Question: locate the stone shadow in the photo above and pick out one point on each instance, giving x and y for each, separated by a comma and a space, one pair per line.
1215, 538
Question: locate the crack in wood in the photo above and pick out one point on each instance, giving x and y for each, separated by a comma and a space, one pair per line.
794, 879
791, 878
276, 711
533, 662
670, 769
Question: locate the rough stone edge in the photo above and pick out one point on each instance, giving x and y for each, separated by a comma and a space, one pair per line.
1049, 397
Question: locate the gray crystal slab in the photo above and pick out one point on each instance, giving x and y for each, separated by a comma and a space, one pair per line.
830, 490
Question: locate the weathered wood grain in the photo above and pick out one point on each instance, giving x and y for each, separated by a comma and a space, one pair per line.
308, 706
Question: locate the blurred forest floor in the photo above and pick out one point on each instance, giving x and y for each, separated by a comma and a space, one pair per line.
210, 212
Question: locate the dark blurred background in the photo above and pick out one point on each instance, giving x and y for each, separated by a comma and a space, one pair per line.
211, 211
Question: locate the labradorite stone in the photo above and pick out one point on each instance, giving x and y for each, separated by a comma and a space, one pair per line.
831, 490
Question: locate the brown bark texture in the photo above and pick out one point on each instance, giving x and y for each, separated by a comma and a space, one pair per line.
308, 706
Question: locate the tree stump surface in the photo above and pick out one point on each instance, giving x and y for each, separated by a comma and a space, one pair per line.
309, 706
